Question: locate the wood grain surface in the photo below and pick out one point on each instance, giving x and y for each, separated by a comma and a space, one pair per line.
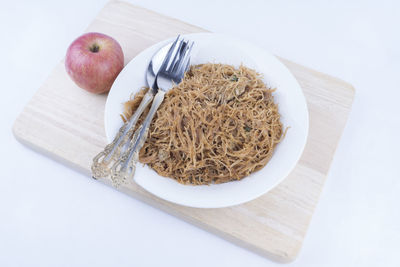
66, 123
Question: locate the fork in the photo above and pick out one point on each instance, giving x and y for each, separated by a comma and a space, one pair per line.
113, 151
170, 73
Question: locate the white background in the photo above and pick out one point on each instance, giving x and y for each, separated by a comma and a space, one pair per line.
53, 216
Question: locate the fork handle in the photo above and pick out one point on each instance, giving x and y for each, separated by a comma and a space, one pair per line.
124, 168
102, 161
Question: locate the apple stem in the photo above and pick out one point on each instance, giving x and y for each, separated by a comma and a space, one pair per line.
94, 48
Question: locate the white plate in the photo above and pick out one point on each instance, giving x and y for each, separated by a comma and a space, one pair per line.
220, 49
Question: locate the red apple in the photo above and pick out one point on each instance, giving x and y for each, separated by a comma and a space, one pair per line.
93, 61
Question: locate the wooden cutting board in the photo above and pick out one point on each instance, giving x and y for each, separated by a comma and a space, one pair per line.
66, 123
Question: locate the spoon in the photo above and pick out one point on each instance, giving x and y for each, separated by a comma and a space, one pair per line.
155, 63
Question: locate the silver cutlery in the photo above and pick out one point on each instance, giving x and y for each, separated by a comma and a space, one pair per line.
170, 73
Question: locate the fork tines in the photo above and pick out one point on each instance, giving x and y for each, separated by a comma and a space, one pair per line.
180, 53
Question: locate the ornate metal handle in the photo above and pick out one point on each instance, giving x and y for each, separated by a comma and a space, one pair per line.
102, 162
123, 169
